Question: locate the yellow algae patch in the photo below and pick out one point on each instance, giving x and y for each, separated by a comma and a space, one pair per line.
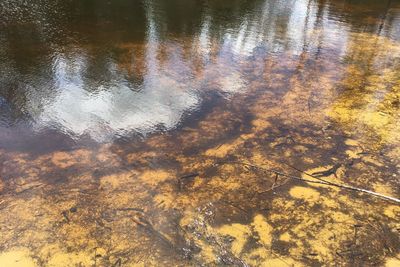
308, 160
340, 217
258, 158
330, 201
326, 236
76, 234
70, 259
304, 193
285, 237
247, 136
65, 159
393, 262
320, 246
392, 212
207, 252
223, 150
239, 232
352, 154
300, 148
287, 153
372, 160
263, 257
187, 219
263, 229
280, 262
115, 180
140, 157
383, 189
62, 160
368, 106
17, 258
260, 124
166, 200
155, 177
197, 182
227, 185
351, 142
104, 156
227, 168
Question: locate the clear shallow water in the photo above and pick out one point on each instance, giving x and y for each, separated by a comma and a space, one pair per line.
122, 122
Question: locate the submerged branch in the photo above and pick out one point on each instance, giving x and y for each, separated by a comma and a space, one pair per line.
317, 181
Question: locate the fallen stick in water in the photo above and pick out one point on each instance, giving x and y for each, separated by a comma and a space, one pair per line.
317, 181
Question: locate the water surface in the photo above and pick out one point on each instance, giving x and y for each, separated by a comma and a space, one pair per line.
126, 127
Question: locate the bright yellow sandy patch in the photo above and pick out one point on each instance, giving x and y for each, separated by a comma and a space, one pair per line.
155, 177
305, 193
239, 232
285, 237
393, 262
351, 142
263, 229
392, 212
383, 189
17, 258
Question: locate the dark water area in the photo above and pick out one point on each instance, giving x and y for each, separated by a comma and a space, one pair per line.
137, 133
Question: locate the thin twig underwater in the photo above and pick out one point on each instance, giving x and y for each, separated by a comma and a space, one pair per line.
318, 180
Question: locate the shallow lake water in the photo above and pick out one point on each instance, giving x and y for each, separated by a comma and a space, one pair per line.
176, 133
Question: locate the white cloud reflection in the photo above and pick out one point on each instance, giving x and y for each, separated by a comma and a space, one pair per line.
104, 112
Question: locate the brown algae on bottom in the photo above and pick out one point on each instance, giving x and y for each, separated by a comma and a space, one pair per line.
183, 199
